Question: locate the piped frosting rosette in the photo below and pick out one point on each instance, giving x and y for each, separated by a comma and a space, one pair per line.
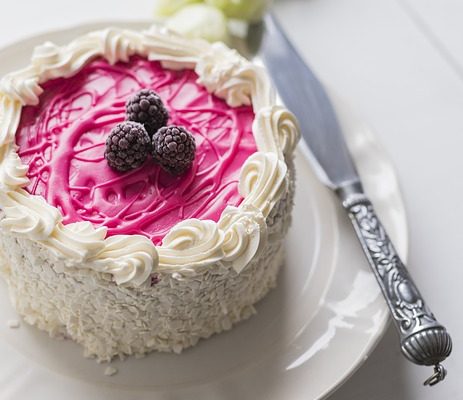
192, 244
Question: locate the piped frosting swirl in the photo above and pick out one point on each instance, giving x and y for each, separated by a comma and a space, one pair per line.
131, 259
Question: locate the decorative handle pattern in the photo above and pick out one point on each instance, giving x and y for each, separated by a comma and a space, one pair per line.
423, 340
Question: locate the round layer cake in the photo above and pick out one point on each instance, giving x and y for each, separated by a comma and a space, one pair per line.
129, 262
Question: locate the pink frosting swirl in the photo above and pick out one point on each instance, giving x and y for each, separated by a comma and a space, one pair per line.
62, 139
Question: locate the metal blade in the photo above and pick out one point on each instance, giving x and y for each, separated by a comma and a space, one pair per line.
304, 95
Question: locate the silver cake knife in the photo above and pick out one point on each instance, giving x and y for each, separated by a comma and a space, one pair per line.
423, 340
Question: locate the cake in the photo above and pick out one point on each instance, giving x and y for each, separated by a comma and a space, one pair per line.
125, 263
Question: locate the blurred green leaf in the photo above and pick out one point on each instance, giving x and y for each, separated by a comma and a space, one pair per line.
249, 10
166, 8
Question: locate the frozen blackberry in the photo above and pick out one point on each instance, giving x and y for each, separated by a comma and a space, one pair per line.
147, 108
174, 149
127, 146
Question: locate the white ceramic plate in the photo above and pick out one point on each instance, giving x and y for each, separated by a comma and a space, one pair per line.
310, 334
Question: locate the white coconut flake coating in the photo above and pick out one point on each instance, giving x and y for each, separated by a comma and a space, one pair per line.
111, 320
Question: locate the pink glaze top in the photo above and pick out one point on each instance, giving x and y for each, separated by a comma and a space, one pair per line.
63, 141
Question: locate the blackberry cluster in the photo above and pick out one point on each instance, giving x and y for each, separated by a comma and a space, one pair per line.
144, 132
127, 146
174, 149
147, 108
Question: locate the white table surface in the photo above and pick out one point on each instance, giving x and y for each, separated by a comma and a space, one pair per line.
399, 64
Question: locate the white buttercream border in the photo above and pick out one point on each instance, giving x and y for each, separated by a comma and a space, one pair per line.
191, 244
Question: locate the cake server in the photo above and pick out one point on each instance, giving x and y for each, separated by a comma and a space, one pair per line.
423, 339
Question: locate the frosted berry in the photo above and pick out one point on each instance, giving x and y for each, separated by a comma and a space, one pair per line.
174, 149
127, 146
147, 108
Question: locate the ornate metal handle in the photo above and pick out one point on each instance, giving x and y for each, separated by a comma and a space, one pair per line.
423, 340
